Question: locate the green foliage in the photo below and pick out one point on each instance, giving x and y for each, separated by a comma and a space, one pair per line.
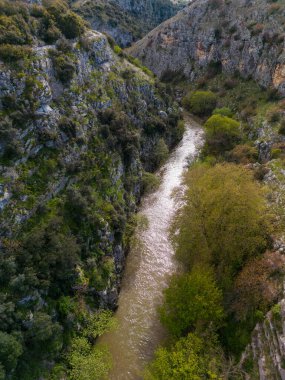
117, 49
51, 253
189, 358
64, 66
225, 212
10, 350
150, 182
200, 103
70, 24
87, 362
43, 334
10, 53
98, 323
192, 301
20, 23
243, 154
258, 286
224, 111
222, 134
161, 152
179, 131
14, 30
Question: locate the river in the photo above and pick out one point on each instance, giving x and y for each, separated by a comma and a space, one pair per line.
148, 268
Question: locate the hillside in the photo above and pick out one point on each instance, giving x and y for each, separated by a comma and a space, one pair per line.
126, 21
235, 36
81, 126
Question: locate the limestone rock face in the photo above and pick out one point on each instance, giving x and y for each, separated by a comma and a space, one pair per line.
47, 116
235, 36
127, 20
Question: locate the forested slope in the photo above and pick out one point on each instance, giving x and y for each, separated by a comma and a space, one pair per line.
80, 125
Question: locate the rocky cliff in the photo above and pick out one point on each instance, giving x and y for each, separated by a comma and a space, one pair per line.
80, 124
234, 36
127, 20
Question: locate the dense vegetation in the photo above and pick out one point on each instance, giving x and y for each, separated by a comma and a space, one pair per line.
223, 238
78, 144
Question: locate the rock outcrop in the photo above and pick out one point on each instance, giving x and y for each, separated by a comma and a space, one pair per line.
244, 37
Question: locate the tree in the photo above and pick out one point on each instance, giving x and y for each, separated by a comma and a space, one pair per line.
43, 334
190, 358
10, 351
191, 301
222, 134
258, 285
200, 102
160, 153
223, 222
87, 362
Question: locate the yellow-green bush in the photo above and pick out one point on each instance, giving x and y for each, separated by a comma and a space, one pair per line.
200, 103
221, 134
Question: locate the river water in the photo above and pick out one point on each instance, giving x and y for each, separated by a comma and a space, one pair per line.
148, 267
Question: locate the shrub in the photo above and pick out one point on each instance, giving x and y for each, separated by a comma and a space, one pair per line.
274, 117
260, 172
11, 53
68, 126
71, 25
243, 154
150, 182
229, 84
160, 153
281, 130
14, 30
179, 130
64, 67
222, 134
52, 33
200, 102
117, 50
224, 111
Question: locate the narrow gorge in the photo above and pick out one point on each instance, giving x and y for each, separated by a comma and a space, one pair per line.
149, 265
142, 189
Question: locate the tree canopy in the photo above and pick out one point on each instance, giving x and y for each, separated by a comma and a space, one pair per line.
222, 134
190, 358
192, 301
222, 223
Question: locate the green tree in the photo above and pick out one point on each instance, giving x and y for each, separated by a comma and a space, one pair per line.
200, 102
222, 134
87, 362
190, 358
10, 351
161, 152
191, 301
223, 221
43, 334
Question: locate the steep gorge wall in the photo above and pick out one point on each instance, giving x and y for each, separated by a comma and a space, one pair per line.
235, 36
79, 124
126, 20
